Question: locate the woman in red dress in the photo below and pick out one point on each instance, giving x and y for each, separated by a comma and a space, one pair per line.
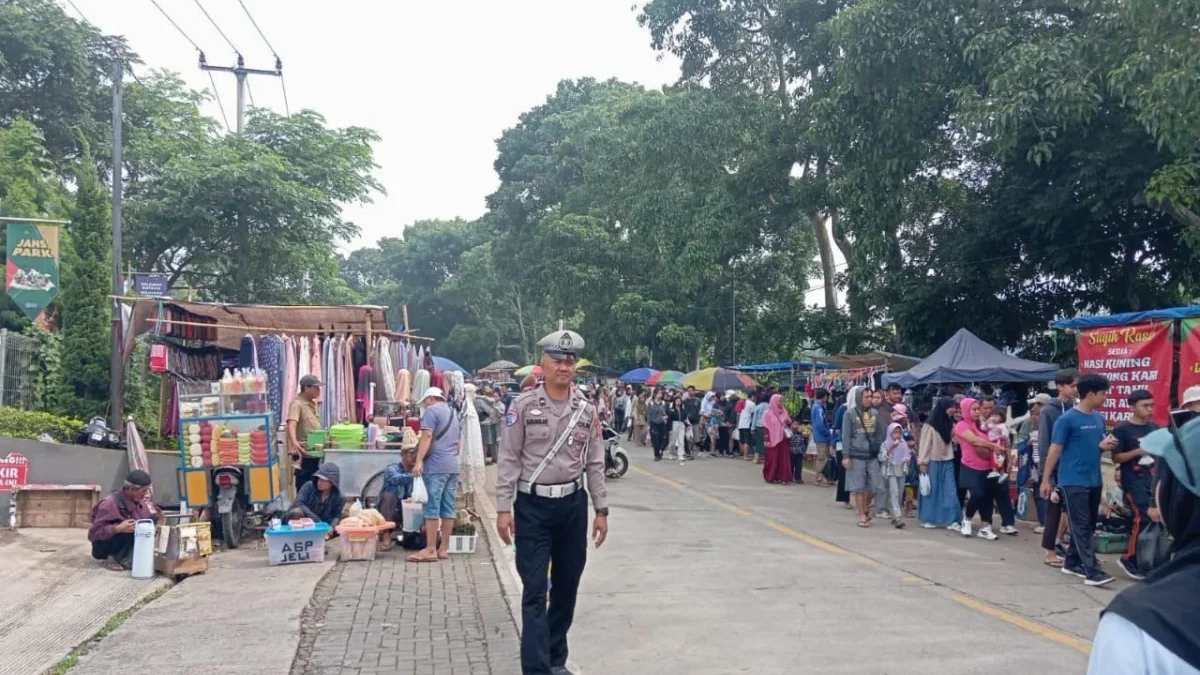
778, 466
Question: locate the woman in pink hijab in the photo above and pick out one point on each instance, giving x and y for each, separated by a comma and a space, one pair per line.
778, 466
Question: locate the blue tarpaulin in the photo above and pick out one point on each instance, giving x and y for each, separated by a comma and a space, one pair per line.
966, 358
776, 367
1085, 322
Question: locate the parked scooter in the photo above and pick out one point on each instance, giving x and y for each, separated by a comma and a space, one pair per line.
97, 434
616, 461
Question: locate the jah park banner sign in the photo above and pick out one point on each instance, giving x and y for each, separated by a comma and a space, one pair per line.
1131, 357
31, 277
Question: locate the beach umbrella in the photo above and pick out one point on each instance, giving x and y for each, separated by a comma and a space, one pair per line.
638, 375
528, 370
718, 379
667, 378
583, 363
445, 365
500, 365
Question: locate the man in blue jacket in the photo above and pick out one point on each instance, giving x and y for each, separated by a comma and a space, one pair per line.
821, 434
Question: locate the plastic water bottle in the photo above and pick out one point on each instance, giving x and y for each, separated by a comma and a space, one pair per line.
143, 550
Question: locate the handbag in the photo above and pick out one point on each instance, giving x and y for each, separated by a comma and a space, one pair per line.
926, 485
829, 471
1153, 547
419, 494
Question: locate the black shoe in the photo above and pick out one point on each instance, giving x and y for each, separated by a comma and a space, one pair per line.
560, 670
1076, 571
1098, 579
1060, 551
1131, 569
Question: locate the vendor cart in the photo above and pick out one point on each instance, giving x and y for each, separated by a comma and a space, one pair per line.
228, 459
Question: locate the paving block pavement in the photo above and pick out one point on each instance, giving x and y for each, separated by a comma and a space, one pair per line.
393, 616
53, 596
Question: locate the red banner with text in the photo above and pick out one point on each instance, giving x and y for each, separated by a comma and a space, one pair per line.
1189, 356
1131, 357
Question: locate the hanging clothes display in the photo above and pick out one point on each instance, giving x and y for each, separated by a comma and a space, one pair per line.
270, 348
420, 384
470, 456
364, 406
248, 355
291, 375
404, 386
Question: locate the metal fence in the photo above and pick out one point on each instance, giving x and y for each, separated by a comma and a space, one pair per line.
18, 354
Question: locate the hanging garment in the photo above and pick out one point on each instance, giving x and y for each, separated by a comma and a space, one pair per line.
291, 376
420, 384
364, 408
271, 349
304, 359
248, 355
404, 386
348, 392
437, 379
470, 456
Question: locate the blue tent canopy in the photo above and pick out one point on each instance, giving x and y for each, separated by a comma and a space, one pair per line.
966, 358
637, 375
444, 364
1170, 313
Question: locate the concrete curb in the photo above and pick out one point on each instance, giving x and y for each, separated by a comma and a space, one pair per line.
505, 559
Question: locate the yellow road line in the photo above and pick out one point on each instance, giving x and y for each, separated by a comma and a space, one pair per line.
1052, 634
1047, 632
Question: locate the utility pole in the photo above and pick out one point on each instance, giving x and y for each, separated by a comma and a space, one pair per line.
116, 370
240, 71
733, 322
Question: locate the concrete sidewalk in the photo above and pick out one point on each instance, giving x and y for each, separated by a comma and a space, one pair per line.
55, 597
242, 617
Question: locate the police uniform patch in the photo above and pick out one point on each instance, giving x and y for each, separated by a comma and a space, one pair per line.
511, 418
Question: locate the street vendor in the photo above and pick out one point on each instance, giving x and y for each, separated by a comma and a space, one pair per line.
304, 416
320, 499
113, 519
398, 481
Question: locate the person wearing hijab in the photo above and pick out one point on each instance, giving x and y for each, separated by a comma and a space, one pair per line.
935, 458
976, 465
862, 434
894, 455
1154, 626
842, 495
777, 468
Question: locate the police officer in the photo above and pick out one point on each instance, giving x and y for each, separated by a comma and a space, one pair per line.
551, 438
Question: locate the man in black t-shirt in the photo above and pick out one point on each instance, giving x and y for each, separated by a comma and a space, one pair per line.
1137, 473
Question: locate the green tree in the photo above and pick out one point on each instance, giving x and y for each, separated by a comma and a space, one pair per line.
86, 309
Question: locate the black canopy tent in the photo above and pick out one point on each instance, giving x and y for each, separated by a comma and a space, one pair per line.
966, 358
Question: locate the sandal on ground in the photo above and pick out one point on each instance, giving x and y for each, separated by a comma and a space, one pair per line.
113, 565
421, 558
1053, 563
863, 522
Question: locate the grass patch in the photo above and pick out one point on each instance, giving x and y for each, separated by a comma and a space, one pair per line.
71, 660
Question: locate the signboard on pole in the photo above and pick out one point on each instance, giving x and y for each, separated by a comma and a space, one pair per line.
1131, 357
146, 285
14, 471
32, 274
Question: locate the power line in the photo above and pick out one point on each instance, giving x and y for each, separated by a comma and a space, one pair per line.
109, 41
168, 17
251, 93
214, 23
260, 33
286, 108
219, 104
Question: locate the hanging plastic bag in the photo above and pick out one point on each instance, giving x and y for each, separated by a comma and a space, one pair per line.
926, 486
1153, 548
419, 494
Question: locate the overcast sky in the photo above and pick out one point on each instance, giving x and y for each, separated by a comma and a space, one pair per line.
438, 81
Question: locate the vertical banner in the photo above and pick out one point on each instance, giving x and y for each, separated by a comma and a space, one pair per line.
32, 266
1189, 355
1131, 357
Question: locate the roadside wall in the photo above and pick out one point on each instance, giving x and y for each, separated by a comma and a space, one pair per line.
63, 463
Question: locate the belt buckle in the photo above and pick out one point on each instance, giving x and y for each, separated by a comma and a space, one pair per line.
556, 491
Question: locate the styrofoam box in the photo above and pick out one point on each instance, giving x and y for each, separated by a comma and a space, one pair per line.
286, 546
462, 543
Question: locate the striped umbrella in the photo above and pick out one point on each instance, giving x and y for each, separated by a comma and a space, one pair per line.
667, 378
718, 379
528, 370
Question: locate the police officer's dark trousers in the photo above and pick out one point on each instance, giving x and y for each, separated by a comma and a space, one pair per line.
549, 530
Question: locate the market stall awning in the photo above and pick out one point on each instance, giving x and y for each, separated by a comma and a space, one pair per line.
966, 358
778, 367
1167, 314
235, 321
873, 359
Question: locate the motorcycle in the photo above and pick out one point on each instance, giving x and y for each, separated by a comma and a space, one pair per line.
97, 434
616, 461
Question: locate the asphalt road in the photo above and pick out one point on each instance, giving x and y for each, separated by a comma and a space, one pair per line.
710, 570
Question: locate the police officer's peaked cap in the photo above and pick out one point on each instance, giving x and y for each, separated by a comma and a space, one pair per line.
562, 344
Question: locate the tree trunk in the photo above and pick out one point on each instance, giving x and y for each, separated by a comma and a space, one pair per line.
521, 324
827, 266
